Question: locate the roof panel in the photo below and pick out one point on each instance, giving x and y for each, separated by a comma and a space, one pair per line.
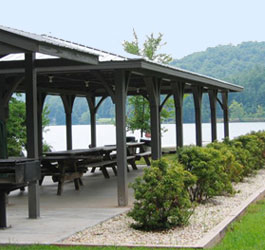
40, 43
113, 61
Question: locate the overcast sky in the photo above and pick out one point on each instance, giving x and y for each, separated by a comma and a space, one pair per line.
188, 25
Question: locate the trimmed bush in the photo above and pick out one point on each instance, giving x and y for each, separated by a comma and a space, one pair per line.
207, 165
232, 167
241, 154
162, 199
255, 146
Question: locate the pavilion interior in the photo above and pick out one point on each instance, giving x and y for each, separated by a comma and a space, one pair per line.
39, 65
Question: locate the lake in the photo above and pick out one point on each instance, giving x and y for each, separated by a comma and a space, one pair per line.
56, 135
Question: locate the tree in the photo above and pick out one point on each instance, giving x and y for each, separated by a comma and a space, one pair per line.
236, 110
150, 48
16, 126
139, 117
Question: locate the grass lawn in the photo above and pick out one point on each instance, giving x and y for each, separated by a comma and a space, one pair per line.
246, 234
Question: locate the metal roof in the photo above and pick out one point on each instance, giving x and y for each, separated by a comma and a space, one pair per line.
21, 41
113, 61
103, 55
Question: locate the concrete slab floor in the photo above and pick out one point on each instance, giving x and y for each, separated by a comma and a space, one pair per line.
61, 216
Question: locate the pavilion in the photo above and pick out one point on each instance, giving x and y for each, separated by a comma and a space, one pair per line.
41, 65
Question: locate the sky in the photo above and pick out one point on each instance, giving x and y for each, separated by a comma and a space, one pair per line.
187, 25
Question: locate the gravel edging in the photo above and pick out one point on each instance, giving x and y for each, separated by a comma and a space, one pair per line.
207, 222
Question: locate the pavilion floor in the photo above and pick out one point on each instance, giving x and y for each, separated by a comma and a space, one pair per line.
64, 215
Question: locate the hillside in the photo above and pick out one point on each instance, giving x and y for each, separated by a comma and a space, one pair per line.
243, 64
225, 61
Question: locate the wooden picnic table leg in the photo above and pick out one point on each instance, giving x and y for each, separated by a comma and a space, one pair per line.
61, 177
41, 180
80, 182
114, 170
76, 181
133, 164
147, 161
146, 158
60, 186
105, 172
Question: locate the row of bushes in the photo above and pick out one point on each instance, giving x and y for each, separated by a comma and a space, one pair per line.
169, 190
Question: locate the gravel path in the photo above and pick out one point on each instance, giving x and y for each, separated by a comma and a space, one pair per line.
117, 231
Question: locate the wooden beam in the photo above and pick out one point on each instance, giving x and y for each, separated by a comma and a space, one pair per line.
31, 106
153, 90
32, 130
93, 108
8, 49
120, 112
178, 94
226, 113
164, 102
43, 45
68, 102
213, 98
105, 84
91, 100
197, 97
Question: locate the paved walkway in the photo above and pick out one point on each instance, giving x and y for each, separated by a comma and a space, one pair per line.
61, 216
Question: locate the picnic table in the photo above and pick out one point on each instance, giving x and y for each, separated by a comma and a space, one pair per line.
138, 149
72, 164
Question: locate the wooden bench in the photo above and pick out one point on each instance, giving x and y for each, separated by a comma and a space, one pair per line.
102, 165
145, 155
50, 167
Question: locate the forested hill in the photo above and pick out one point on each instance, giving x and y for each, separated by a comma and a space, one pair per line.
243, 64
225, 61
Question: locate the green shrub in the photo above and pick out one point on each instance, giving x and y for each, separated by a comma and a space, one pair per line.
162, 199
207, 165
260, 137
241, 154
254, 146
232, 166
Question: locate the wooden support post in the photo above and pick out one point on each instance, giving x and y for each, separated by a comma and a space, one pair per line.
121, 86
3, 222
226, 113
197, 96
178, 94
153, 90
32, 129
41, 99
93, 128
213, 98
34, 200
93, 108
68, 102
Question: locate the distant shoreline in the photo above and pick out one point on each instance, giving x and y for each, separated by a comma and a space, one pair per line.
218, 121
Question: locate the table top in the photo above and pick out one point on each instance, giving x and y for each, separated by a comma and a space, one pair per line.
134, 144
15, 160
128, 144
77, 152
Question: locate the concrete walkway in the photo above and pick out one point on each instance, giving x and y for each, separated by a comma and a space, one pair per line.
61, 216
